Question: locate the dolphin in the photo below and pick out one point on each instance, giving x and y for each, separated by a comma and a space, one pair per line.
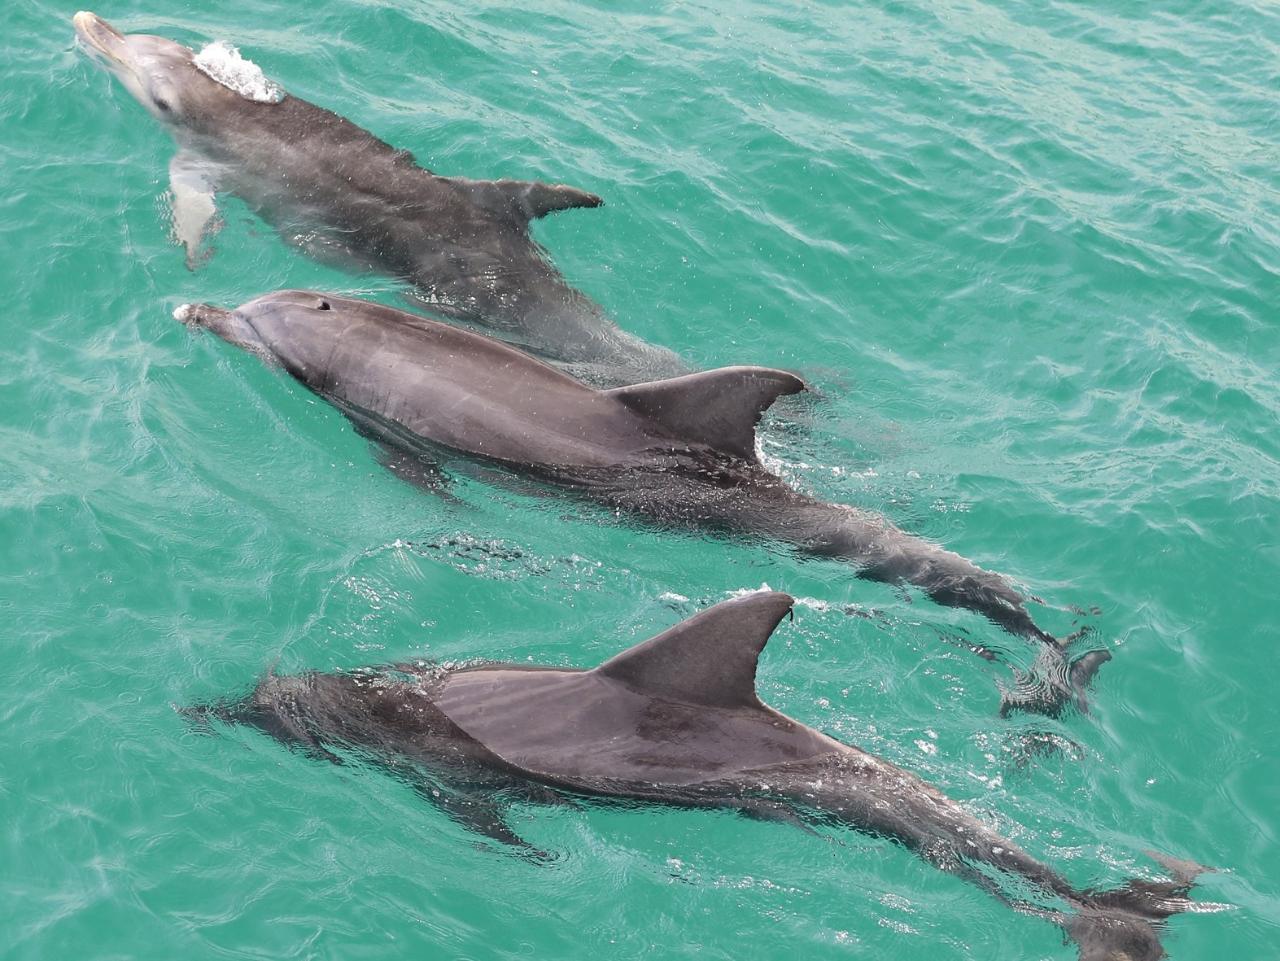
346, 196
679, 452
676, 720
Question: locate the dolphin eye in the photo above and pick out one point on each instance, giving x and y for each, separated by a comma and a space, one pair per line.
323, 305
162, 105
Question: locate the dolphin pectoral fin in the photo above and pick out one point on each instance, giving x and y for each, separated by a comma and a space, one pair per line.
719, 408
479, 815
532, 793
191, 193
414, 469
758, 809
525, 200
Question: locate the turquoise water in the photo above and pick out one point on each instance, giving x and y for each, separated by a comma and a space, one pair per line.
1026, 253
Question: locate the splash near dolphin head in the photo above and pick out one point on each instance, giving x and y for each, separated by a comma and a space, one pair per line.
223, 63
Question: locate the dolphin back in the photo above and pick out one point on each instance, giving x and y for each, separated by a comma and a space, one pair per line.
678, 709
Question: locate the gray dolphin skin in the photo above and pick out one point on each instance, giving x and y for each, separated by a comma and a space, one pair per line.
674, 720
344, 195
678, 452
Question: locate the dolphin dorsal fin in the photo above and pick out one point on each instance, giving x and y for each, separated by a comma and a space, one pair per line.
719, 408
525, 200
710, 659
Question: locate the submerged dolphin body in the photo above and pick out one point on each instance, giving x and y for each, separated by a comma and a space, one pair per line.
677, 720
345, 195
680, 452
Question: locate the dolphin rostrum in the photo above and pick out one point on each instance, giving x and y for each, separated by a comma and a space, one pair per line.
679, 452
675, 720
344, 195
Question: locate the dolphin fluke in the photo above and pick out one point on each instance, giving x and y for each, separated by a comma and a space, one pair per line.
1125, 924
1080, 674
1053, 682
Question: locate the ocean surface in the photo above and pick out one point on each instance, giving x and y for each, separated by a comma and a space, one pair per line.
1028, 255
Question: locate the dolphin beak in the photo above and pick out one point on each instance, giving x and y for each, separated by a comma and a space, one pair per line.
231, 325
100, 38
202, 315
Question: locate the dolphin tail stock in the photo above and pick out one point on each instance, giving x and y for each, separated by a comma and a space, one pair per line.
1126, 924
880, 551
598, 351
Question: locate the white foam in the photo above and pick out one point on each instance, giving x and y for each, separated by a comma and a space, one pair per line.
813, 603
223, 63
